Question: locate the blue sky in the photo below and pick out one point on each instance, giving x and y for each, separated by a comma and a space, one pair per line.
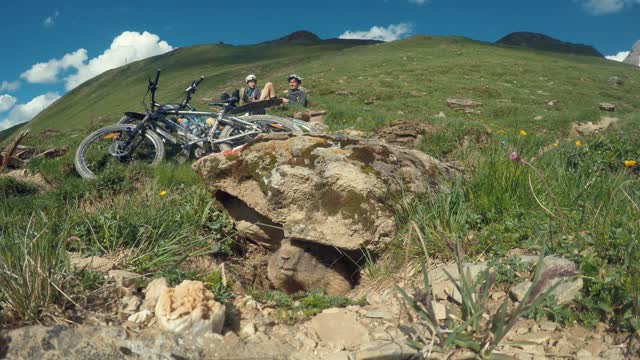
49, 47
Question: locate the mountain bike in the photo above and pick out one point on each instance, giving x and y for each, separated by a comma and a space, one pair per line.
141, 137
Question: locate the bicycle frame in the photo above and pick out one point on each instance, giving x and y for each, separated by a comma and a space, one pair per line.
158, 115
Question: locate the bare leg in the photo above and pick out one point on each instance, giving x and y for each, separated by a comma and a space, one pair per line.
268, 92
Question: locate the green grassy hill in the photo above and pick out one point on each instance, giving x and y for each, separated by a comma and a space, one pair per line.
411, 78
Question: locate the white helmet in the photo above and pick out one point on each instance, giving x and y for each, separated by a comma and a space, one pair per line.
295, 76
250, 77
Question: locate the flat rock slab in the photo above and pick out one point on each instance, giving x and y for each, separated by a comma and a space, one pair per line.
607, 107
339, 329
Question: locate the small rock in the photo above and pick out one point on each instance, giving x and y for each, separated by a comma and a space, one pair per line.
589, 128
498, 295
253, 232
539, 338
441, 114
539, 117
340, 355
615, 80
379, 315
381, 335
463, 102
189, 308
614, 354
339, 330
124, 278
549, 326
313, 113
607, 107
354, 133
553, 102
519, 291
388, 351
302, 115
440, 310
583, 354
131, 304
95, 263
248, 330
343, 92
317, 119
595, 346
152, 292
141, 317
370, 101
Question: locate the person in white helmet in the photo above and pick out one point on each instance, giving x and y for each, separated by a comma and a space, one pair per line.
295, 94
251, 93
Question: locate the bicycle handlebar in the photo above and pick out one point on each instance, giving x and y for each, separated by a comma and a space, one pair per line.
157, 77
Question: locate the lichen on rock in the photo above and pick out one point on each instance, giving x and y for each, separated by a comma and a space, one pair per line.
330, 190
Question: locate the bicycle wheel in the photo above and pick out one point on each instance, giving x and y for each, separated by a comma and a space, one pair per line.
127, 120
268, 122
104, 150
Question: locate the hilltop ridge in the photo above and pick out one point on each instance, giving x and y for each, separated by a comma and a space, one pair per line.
544, 42
305, 37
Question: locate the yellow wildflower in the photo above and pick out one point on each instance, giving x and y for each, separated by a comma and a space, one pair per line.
501, 132
163, 193
630, 163
523, 133
556, 144
578, 143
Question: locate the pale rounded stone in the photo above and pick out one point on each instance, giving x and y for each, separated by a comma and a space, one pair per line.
189, 308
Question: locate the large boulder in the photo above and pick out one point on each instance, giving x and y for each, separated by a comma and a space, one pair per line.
330, 190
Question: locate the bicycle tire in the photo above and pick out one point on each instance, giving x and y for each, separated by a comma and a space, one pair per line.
289, 125
81, 163
125, 120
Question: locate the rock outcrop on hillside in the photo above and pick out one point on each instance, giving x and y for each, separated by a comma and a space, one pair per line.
634, 55
329, 190
547, 43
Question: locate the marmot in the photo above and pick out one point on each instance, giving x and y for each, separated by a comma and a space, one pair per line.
293, 268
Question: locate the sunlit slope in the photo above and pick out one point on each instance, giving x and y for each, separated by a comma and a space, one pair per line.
411, 78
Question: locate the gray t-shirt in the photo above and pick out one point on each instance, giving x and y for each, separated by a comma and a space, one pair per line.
297, 96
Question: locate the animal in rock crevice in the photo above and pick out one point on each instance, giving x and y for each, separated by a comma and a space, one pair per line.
293, 267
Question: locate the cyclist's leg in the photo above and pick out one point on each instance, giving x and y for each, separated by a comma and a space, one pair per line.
268, 92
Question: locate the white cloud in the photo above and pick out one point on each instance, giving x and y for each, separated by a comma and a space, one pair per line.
9, 86
619, 56
127, 47
418, 2
604, 7
25, 112
6, 102
51, 20
390, 33
48, 72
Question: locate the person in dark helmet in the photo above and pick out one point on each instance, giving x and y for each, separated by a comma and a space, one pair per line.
296, 94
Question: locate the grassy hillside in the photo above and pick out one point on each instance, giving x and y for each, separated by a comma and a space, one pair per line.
575, 197
411, 78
